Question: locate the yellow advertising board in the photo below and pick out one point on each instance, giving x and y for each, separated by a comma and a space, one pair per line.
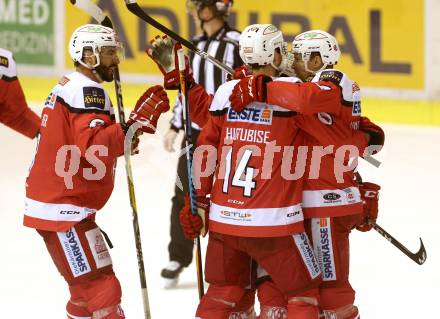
382, 44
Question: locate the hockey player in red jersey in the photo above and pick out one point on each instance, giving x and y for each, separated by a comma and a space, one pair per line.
332, 206
199, 99
251, 216
14, 111
72, 174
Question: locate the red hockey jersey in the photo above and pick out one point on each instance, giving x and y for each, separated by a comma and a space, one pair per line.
72, 174
329, 190
14, 111
329, 186
258, 182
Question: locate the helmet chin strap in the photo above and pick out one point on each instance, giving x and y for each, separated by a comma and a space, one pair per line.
277, 68
93, 67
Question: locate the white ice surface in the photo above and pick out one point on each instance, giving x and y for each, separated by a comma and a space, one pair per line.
388, 284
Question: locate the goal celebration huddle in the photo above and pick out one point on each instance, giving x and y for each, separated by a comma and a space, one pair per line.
273, 133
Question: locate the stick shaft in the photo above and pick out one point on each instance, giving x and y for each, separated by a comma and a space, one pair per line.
96, 12
189, 157
136, 10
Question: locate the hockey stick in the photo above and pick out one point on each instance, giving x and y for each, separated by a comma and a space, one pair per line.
96, 12
189, 157
418, 257
134, 8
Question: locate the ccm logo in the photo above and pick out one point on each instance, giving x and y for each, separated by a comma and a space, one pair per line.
293, 214
370, 194
69, 212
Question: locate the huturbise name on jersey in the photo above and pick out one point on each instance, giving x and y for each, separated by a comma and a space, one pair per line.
236, 200
72, 174
243, 202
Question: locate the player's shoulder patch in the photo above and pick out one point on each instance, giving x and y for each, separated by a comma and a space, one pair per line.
333, 76
350, 89
82, 95
63, 81
50, 100
94, 97
8, 69
4, 61
355, 87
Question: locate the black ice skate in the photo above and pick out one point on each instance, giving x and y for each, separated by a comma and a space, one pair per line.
171, 273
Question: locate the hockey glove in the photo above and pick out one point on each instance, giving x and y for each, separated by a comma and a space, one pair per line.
370, 197
377, 135
250, 89
164, 54
149, 107
195, 225
286, 67
239, 73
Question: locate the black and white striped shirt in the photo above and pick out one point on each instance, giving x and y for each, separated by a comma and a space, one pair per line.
223, 45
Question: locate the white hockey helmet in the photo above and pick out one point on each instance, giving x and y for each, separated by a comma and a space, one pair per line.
93, 37
317, 41
258, 43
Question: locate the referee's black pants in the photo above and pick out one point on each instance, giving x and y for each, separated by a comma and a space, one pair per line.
181, 249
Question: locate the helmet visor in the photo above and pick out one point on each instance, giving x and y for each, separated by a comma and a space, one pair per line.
117, 52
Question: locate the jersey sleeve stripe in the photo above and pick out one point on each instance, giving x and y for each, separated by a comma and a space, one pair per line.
219, 112
8, 78
284, 114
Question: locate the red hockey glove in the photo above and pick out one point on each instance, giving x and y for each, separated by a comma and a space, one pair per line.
377, 135
250, 89
370, 197
164, 54
239, 73
149, 107
195, 225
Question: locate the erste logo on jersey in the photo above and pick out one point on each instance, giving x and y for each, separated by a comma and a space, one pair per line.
94, 97
356, 110
4, 61
251, 115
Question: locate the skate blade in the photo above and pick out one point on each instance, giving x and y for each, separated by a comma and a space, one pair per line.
170, 283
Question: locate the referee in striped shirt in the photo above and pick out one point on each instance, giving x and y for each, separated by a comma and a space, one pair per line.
220, 41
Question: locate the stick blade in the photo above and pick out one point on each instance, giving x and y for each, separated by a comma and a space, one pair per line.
107, 22
420, 256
